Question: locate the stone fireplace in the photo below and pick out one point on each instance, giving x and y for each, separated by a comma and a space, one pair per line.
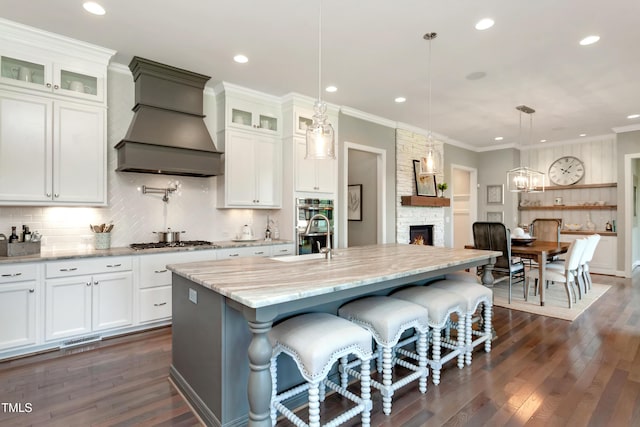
421, 235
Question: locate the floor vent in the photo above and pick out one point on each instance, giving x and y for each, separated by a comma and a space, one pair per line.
79, 341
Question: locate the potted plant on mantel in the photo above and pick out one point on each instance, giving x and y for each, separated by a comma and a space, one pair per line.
441, 187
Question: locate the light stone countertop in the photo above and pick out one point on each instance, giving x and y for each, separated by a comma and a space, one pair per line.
260, 282
57, 254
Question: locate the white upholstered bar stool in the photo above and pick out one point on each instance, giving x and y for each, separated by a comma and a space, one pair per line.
440, 305
316, 341
475, 295
387, 319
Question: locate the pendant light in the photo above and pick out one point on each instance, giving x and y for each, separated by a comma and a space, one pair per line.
523, 179
431, 163
321, 142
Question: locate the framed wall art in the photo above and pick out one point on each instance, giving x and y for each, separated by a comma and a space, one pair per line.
493, 216
495, 194
425, 184
354, 204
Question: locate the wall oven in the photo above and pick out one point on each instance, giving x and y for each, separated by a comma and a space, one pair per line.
306, 208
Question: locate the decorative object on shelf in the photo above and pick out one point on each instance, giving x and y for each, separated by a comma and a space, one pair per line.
495, 216
354, 207
442, 187
558, 201
523, 179
431, 163
567, 170
320, 137
425, 184
590, 225
495, 194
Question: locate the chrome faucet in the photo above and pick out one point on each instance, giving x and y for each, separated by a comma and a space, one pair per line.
326, 250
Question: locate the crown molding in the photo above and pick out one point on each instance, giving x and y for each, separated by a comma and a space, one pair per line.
629, 128
367, 117
581, 140
120, 68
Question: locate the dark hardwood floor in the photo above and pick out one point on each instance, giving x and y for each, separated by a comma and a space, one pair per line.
541, 372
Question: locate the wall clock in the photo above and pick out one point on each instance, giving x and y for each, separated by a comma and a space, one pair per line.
566, 170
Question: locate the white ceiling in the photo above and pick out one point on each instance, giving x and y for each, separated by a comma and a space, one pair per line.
373, 51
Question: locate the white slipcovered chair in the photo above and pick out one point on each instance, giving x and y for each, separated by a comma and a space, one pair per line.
584, 276
567, 275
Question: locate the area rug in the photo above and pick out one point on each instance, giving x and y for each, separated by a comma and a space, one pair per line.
556, 304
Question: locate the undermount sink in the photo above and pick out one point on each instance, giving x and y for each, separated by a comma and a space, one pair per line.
296, 258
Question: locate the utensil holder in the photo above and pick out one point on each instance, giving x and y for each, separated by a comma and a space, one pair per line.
102, 240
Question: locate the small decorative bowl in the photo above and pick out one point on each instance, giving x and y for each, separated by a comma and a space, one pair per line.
573, 227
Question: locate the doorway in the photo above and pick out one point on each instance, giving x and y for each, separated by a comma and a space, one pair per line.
464, 204
365, 170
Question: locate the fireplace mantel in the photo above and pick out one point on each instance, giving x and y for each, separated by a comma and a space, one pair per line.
425, 201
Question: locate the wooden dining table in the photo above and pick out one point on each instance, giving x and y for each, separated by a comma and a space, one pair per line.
540, 252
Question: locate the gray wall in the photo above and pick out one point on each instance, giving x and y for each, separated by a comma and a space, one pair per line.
492, 170
628, 143
363, 170
371, 134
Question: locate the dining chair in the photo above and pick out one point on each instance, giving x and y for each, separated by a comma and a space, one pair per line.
547, 230
495, 236
568, 275
584, 276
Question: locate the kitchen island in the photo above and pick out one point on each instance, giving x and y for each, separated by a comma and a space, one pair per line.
223, 311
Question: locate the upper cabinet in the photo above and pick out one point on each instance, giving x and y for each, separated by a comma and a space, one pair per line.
53, 119
312, 176
252, 145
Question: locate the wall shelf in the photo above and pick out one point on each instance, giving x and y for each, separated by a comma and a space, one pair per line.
425, 201
568, 208
580, 186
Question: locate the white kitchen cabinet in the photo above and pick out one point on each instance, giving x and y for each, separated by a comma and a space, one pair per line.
253, 171
312, 175
51, 152
605, 257
78, 303
244, 251
282, 250
251, 115
19, 290
154, 281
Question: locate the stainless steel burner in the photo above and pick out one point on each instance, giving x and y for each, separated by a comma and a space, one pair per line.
182, 244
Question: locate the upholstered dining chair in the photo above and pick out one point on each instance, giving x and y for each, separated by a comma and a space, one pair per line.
495, 236
568, 275
584, 276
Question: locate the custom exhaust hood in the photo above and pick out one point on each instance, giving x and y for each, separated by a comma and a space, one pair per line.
167, 134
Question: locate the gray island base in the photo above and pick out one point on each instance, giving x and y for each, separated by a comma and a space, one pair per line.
223, 311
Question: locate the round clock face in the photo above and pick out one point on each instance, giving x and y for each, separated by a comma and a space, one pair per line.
566, 171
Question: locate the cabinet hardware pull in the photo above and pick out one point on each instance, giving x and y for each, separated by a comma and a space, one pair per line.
88, 283
56, 195
284, 250
48, 84
158, 305
56, 87
31, 291
113, 265
96, 283
259, 252
48, 194
160, 271
69, 269
12, 275
234, 254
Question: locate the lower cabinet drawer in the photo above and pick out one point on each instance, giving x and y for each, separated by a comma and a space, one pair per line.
155, 304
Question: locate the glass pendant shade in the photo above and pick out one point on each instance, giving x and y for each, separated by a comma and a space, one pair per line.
431, 163
321, 141
525, 180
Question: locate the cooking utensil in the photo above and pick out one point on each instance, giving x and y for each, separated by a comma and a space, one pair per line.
109, 228
168, 236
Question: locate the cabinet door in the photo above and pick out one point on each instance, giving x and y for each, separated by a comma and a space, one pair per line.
79, 154
85, 83
68, 307
268, 171
112, 300
325, 176
304, 169
25, 71
17, 314
240, 170
25, 148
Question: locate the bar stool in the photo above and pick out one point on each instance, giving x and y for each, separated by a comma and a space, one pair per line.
387, 319
440, 305
316, 341
474, 294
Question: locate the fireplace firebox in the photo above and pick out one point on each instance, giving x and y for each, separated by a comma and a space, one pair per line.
421, 235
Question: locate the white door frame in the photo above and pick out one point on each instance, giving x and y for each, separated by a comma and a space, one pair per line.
628, 203
381, 163
473, 196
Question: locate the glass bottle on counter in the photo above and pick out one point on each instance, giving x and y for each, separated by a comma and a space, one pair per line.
14, 236
26, 234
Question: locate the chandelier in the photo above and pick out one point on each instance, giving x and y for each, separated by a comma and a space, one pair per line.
431, 163
320, 136
523, 179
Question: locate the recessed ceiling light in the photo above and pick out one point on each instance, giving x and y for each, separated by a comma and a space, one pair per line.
589, 40
241, 59
543, 140
633, 116
484, 24
93, 7
583, 134
400, 99
331, 89
498, 138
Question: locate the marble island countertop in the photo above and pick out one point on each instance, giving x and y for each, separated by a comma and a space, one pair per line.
260, 282
53, 254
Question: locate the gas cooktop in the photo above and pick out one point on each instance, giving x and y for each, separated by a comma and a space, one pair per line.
182, 244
